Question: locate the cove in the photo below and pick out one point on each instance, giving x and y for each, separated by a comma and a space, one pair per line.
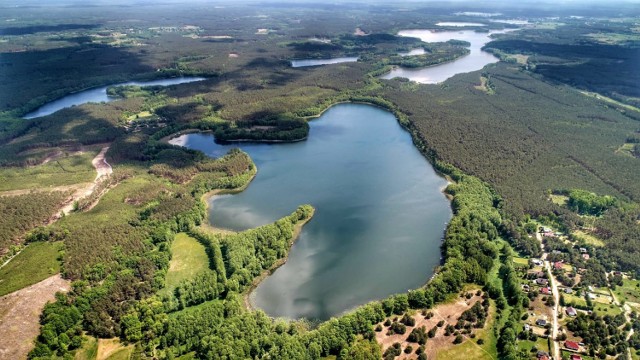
380, 211
99, 94
317, 62
475, 60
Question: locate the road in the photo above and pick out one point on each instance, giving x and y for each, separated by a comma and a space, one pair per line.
556, 298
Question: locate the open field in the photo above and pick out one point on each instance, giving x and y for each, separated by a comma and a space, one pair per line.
112, 349
629, 291
36, 262
64, 170
20, 316
188, 258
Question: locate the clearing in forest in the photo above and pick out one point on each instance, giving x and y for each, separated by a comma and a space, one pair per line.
20, 316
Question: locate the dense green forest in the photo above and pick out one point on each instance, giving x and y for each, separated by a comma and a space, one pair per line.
505, 151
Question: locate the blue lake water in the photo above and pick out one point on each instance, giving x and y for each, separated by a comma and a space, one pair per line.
99, 94
380, 212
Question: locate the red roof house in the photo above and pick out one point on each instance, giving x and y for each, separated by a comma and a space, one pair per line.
576, 357
545, 291
572, 345
558, 265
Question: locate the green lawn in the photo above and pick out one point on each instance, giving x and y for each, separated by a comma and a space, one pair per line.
64, 171
575, 300
539, 344
188, 258
519, 262
629, 291
606, 309
35, 263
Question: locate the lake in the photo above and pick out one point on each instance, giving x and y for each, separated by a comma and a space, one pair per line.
380, 211
458, 24
317, 62
475, 60
99, 94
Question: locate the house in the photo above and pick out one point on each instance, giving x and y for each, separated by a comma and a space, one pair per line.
592, 296
617, 273
572, 345
543, 355
536, 262
527, 327
545, 291
525, 287
583, 250
585, 256
541, 281
541, 322
558, 265
568, 290
541, 274
571, 311
576, 357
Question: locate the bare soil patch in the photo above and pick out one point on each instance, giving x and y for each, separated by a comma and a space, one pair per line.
20, 315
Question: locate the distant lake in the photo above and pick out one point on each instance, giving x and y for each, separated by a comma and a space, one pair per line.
317, 62
380, 212
459, 23
475, 60
412, 52
99, 94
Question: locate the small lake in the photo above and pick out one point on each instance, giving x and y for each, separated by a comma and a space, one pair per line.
458, 24
318, 62
380, 212
99, 94
475, 60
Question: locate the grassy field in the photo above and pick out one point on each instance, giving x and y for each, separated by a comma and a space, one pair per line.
35, 263
540, 344
588, 238
89, 350
629, 291
63, 171
519, 262
576, 300
604, 309
188, 258
559, 199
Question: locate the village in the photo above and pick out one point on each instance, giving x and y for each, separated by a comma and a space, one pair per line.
577, 310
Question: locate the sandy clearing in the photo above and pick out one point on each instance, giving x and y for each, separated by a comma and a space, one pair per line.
20, 315
103, 168
448, 312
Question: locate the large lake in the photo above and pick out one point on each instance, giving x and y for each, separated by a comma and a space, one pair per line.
475, 60
99, 94
380, 213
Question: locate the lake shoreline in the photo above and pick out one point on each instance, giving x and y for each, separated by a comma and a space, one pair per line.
246, 295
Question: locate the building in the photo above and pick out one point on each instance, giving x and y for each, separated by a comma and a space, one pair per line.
576, 357
545, 291
571, 311
541, 322
541, 281
543, 355
583, 250
572, 345
558, 265
585, 256
568, 290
